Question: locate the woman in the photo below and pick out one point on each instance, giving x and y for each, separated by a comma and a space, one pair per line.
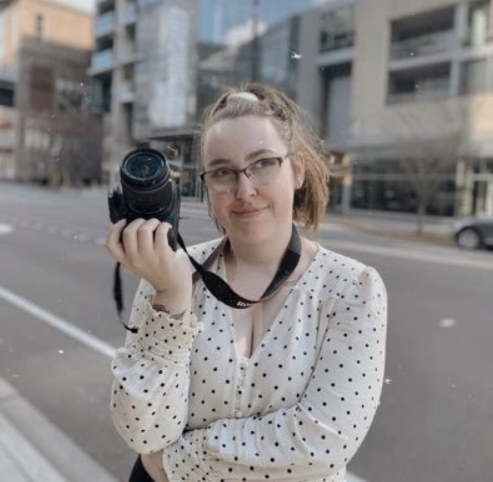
285, 389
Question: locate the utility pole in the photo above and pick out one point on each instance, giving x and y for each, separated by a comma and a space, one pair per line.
255, 43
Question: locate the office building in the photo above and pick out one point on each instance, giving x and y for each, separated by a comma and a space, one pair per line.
400, 91
144, 69
422, 106
48, 133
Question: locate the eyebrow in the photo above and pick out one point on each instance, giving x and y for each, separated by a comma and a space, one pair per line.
249, 157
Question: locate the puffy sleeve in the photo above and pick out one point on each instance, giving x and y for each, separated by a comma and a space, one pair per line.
149, 398
317, 437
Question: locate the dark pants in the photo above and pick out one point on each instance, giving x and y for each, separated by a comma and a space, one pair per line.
139, 473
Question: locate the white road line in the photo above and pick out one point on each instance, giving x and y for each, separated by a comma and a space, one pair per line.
5, 228
60, 324
405, 253
83, 237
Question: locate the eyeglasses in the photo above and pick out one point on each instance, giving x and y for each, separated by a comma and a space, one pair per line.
261, 172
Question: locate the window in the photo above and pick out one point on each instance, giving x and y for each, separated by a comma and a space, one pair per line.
337, 29
422, 83
39, 27
69, 95
424, 34
41, 89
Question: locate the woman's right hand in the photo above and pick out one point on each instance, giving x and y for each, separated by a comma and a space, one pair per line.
143, 248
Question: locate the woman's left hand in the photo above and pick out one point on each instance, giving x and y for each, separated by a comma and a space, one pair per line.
153, 463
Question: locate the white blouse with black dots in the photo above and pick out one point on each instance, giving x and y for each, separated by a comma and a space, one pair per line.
297, 410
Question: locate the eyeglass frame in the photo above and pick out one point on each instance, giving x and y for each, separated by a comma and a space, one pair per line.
279, 159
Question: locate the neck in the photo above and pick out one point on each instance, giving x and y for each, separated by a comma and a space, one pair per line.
266, 255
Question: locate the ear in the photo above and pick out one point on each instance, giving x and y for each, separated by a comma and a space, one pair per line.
299, 170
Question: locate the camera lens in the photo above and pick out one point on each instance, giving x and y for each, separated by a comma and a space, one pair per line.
144, 166
146, 184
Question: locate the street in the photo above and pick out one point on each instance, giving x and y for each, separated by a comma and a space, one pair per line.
436, 415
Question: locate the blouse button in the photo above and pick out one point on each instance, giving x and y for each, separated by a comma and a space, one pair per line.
238, 414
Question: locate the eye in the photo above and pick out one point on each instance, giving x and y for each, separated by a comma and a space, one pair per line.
265, 163
222, 173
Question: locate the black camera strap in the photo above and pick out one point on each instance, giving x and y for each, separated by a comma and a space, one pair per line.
216, 285
224, 293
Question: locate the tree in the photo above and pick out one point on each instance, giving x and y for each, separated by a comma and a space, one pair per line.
432, 147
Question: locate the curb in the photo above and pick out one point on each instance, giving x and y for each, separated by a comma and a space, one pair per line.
390, 233
37, 449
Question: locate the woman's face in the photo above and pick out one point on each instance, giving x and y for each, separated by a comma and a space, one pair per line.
252, 213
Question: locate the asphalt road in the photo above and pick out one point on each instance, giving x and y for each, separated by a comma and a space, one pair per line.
436, 416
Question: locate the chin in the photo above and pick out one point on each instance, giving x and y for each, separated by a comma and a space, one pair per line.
255, 234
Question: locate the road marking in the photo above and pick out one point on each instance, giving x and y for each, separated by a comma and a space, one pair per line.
406, 253
58, 323
5, 228
447, 323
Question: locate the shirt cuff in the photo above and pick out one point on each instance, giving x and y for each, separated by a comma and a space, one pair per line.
187, 461
164, 337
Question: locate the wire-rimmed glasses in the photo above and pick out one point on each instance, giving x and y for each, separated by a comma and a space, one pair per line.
261, 172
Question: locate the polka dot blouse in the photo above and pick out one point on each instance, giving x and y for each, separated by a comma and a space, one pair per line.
296, 410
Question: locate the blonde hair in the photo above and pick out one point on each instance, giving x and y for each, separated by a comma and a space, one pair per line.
294, 127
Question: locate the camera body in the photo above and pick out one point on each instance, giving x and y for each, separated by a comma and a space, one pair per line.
147, 191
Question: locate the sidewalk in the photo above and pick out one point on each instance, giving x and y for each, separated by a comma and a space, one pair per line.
436, 229
32, 449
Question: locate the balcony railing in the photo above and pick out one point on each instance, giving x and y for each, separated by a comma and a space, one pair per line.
105, 23
102, 60
429, 90
430, 44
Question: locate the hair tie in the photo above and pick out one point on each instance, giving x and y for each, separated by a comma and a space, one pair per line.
243, 95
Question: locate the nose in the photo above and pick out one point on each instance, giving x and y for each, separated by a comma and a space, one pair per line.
244, 186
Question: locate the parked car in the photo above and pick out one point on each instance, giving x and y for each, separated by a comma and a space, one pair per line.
474, 233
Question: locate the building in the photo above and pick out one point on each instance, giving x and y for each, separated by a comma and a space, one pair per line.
57, 137
145, 73
422, 98
401, 92
48, 132
142, 70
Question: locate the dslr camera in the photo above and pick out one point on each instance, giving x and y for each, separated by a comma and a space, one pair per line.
147, 191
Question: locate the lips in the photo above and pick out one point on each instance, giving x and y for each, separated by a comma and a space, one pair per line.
248, 212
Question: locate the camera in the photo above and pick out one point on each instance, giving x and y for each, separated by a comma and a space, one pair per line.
147, 191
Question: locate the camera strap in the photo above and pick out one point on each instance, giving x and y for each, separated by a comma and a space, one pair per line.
224, 293
215, 284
